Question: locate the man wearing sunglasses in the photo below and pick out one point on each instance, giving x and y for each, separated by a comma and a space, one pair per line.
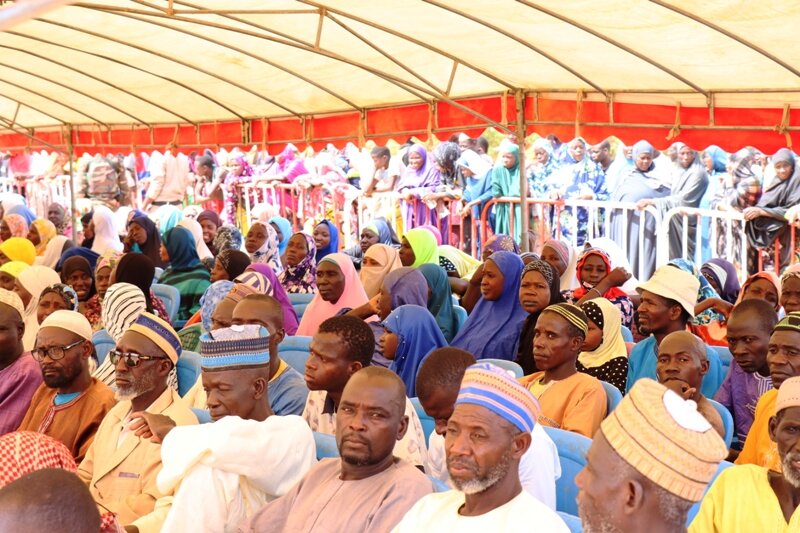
121, 466
70, 404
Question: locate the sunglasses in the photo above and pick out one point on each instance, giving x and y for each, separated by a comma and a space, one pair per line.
132, 360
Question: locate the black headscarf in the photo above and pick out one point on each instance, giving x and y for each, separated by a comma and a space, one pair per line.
234, 262
78, 263
137, 269
525, 350
152, 246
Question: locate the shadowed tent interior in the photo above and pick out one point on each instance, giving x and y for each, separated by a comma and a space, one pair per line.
134, 73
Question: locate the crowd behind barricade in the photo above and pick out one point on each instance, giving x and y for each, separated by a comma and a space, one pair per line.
353, 341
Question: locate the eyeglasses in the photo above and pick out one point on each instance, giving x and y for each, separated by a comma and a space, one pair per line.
131, 359
54, 352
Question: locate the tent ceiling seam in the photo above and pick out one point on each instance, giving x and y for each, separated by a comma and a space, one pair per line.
45, 113
729, 34
519, 40
614, 43
49, 99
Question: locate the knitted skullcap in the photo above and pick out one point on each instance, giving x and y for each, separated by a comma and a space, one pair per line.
665, 439
492, 387
572, 313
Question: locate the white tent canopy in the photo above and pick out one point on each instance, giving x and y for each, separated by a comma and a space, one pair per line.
161, 62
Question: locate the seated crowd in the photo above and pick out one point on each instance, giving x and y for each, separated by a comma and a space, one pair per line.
147, 372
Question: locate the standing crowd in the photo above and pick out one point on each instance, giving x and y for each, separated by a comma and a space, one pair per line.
149, 368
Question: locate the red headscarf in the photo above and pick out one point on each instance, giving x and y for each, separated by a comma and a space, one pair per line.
580, 292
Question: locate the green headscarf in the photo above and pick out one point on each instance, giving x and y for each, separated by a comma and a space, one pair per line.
440, 304
424, 245
505, 182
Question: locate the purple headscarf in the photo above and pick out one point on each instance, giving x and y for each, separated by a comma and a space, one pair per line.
277, 291
407, 286
502, 243
424, 176
724, 274
247, 170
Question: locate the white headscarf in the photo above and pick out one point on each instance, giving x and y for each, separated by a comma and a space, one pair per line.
105, 233
52, 252
34, 279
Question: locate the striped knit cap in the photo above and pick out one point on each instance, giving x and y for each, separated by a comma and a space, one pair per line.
572, 313
235, 348
790, 322
665, 439
495, 389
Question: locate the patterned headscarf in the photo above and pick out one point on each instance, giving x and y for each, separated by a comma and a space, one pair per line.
23, 452
268, 253
227, 238
705, 292
301, 279
65, 292
501, 242
16, 225
121, 307
233, 261
215, 293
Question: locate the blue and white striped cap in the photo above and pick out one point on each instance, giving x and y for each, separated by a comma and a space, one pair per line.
235, 348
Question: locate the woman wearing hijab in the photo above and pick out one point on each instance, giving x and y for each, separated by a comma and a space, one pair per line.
9, 273
41, 232
229, 264
240, 173
411, 333
715, 159
564, 259
538, 289
210, 222
541, 169
53, 251
105, 235
703, 315
379, 260
326, 239
418, 247
477, 186
604, 353
596, 279
90, 256
24, 211
29, 287
13, 226
214, 294
790, 289
17, 249
143, 238
376, 232
456, 263
620, 167
102, 280
167, 217
300, 274
505, 182
762, 286
185, 272
404, 286
689, 184
499, 242
722, 276
274, 288
228, 238
338, 288
197, 232
262, 245
766, 223
493, 328
643, 182
78, 273
55, 298
138, 270
419, 178
283, 229
440, 301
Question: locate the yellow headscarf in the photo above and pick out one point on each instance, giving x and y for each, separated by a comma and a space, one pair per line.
18, 249
465, 264
46, 231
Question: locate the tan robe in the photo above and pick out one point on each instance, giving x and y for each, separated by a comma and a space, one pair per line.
122, 475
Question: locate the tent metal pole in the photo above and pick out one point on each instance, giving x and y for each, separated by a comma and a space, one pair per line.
523, 178
72, 209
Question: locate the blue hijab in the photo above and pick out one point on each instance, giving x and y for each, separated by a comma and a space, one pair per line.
719, 157
333, 246
24, 212
86, 253
385, 233
285, 228
182, 249
406, 285
417, 335
493, 328
168, 217
440, 304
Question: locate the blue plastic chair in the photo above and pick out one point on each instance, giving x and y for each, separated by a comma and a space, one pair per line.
159, 272
613, 396
572, 449
573, 522
295, 350
300, 302
725, 358
171, 298
693, 510
427, 422
627, 336
103, 343
326, 445
188, 368
461, 316
727, 421
507, 365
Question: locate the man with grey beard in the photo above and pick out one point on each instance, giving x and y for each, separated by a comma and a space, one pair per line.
120, 467
744, 497
487, 434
